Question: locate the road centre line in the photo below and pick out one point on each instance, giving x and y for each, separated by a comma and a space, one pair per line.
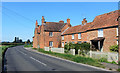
22, 52
38, 61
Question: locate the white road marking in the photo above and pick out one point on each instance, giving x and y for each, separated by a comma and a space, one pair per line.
22, 52
38, 61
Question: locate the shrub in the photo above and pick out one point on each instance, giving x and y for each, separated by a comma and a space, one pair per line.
113, 62
119, 63
114, 48
102, 60
118, 69
77, 47
85, 46
71, 45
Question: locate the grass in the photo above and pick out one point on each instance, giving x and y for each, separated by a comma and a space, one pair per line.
118, 69
28, 45
78, 59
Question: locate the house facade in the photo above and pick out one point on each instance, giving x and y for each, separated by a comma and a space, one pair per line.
101, 33
48, 34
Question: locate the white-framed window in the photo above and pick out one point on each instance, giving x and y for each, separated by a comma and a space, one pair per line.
117, 42
50, 34
117, 31
62, 37
100, 32
79, 35
72, 36
62, 44
51, 43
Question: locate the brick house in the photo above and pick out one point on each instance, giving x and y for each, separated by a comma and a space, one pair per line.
101, 33
48, 34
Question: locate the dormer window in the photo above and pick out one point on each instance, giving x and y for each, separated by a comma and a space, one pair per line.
50, 34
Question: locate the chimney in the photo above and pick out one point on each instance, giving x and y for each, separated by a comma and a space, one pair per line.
61, 21
43, 20
36, 24
84, 21
68, 21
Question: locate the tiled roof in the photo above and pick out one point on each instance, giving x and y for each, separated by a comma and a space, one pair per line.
53, 26
101, 21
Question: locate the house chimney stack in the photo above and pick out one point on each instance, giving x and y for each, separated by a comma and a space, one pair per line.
61, 21
68, 21
84, 21
43, 20
36, 24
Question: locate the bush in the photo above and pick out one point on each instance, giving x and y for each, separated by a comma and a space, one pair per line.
113, 62
28, 45
71, 45
85, 46
118, 69
103, 60
77, 47
68, 46
114, 48
119, 63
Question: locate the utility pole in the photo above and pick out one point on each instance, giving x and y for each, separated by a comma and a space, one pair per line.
119, 32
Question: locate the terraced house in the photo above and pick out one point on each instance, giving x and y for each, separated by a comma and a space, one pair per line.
48, 34
101, 33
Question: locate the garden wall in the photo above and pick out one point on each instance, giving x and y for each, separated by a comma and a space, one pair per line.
58, 50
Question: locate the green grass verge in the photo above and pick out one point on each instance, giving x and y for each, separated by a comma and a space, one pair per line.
28, 45
78, 59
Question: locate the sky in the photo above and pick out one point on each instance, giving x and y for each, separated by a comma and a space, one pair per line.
18, 18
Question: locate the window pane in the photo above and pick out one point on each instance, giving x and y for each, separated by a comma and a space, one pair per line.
100, 32
50, 33
72, 36
62, 44
79, 36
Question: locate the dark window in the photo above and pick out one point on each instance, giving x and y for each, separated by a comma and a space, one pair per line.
50, 34
51, 43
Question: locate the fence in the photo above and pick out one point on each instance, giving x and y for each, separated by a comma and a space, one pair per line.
58, 50
110, 56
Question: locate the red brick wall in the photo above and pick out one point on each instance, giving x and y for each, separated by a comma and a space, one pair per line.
56, 38
41, 37
35, 41
68, 38
110, 35
91, 35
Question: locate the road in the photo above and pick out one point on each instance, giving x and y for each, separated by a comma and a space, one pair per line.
20, 59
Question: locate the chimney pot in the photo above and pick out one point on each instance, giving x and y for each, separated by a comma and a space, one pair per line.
68, 21
36, 24
43, 19
84, 21
61, 21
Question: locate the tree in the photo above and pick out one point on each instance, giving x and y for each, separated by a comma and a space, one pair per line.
28, 41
